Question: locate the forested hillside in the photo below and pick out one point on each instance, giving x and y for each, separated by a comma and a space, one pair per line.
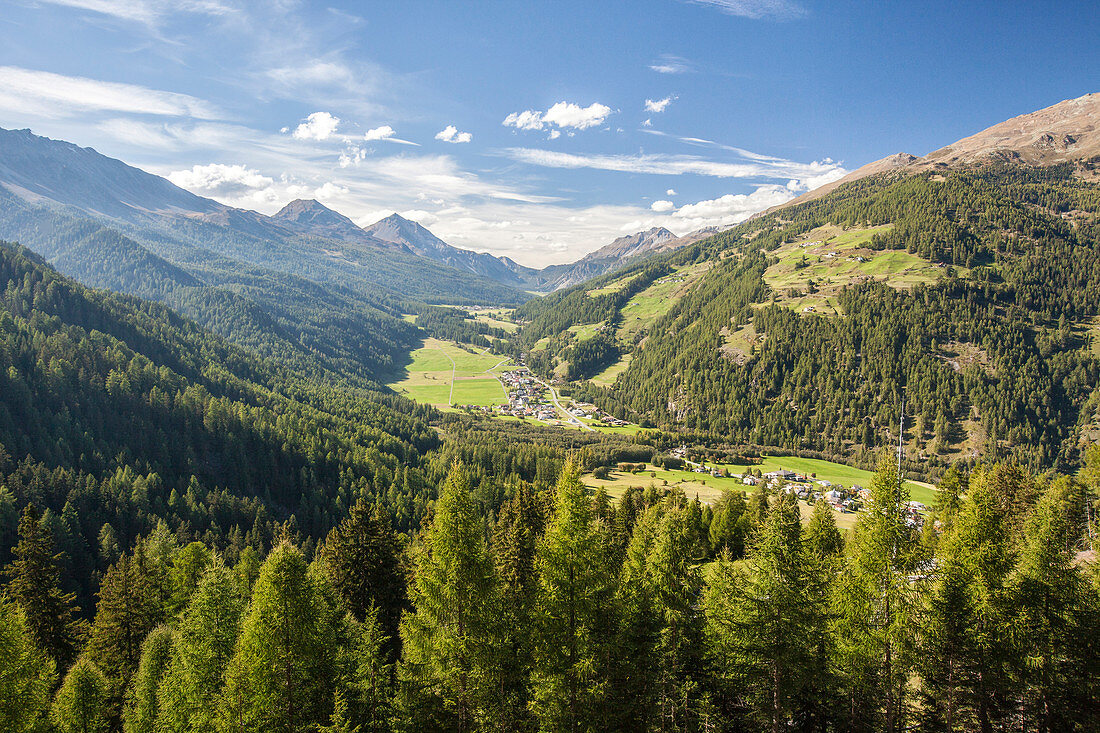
984, 333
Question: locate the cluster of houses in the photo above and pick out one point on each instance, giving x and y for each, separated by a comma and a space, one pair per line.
527, 397
591, 412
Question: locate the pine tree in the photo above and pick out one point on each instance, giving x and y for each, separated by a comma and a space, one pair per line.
448, 670
140, 714
35, 585
574, 614
759, 627
82, 704
27, 674
1056, 624
515, 539
204, 643
728, 529
184, 572
283, 672
875, 602
362, 560
965, 647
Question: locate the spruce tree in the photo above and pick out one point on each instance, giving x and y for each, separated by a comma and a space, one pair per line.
574, 615
966, 650
759, 622
875, 602
34, 584
27, 674
82, 705
362, 560
448, 672
204, 643
142, 708
515, 539
821, 536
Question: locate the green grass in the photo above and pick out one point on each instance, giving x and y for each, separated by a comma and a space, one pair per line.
482, 391
585, 331
428, 378
607, 377
612, 287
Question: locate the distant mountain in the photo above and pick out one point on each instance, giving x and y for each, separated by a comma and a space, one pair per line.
312, 217
398, 230
306, 286
618, 253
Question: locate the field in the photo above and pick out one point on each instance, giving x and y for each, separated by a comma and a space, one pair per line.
832, 257
443, 374
607, 377
492, 317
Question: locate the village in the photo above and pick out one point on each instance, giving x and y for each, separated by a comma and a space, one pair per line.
806, 488
529, 397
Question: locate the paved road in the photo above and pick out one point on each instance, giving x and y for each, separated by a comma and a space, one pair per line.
569, 418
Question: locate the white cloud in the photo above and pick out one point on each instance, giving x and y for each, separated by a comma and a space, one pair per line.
668, 64
450, 134
756, 9
678, 165
329, 190
554, 134
657, 105
218, 179
385, 133
647, 123
567, 114
662, 206
379, 133
561, 115
670, 192
45, 94
318, 126
526, 120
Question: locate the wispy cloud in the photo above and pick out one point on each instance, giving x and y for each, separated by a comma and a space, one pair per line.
667, 63
46, 94
147, 12
385, 133
756, 9
675, 165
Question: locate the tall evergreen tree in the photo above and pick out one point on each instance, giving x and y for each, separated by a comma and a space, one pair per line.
27, 674
34, 584
82, 705
1056, 625
448, 670
574, 616
362, 558
283, 672
821, 536
515, 539
204, 643
142, 708
875, 602
759, 622
966, 651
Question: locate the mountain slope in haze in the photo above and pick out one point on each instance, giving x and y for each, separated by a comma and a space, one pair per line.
618, 253
974, 287
190, 230
417, 239
314, 218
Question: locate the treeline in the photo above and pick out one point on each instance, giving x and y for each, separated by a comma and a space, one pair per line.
455, 324
562, 611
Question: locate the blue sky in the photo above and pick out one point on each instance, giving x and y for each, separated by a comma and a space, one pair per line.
539, 132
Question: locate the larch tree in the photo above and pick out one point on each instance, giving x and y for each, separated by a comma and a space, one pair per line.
448, 671
82, 703
574, 616
27, 674
142, 706
205, 640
